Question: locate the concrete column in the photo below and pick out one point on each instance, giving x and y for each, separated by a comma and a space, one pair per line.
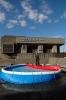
40, 49
24, 49
54, 49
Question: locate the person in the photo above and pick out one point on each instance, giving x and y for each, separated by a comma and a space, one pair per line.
37, 59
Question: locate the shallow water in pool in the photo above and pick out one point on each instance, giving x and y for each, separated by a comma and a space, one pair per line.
26, 69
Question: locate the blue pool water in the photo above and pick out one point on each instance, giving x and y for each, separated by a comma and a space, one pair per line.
23, 68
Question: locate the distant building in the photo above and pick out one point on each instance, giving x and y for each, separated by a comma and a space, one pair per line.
23, 47
22, 44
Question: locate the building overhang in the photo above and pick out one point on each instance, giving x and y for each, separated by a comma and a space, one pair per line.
32, 40
40, 40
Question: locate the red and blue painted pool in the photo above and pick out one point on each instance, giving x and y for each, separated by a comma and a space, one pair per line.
28, 73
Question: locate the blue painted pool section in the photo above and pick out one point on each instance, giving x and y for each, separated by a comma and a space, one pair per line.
26, 79
0, 74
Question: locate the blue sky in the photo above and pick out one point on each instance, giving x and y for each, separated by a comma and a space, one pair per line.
42, 18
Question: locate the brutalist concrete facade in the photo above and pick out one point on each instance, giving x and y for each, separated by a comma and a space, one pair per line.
35, 44
22, 49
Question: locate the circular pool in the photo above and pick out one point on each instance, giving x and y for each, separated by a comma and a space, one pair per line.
28, 74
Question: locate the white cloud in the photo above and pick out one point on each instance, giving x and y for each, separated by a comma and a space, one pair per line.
42, 17
33, 14
2, 17
22, 23
20, 16
45, 8
11, 24
8, 6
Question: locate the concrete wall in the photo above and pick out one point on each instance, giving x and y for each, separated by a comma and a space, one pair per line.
5, 60
53, 60
23, 58
44, 59
30, 58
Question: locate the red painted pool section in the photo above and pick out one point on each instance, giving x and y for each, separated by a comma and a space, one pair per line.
45, 67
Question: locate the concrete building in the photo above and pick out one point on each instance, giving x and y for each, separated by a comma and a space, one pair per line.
22, 49
21, 44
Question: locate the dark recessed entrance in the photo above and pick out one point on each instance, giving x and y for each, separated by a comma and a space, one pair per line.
31, 48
